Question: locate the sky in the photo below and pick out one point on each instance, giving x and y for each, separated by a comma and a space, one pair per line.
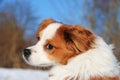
66, 11
60, 10
57, 10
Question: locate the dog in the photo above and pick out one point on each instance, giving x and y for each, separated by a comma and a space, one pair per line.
73, 52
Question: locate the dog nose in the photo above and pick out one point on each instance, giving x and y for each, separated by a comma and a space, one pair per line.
27, 52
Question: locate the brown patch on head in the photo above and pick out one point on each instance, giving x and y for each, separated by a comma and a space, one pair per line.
79, 39
69, 42
43, 25
59, 53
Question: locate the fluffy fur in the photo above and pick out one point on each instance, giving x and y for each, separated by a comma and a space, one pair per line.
75, 53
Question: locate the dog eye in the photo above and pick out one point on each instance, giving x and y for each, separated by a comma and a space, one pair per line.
38, 38
49, 46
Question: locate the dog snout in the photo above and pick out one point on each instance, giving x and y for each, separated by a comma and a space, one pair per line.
27, 53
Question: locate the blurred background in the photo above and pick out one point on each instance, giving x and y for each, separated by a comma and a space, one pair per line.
19, 20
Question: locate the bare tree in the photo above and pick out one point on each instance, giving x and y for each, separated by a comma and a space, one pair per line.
15, 19
104, 17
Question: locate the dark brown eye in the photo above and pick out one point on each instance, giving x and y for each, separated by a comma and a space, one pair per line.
38, 38
49, 46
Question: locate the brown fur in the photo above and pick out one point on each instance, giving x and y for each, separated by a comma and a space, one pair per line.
59, 54
77, 40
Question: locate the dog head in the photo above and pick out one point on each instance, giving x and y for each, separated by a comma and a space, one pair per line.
58, 43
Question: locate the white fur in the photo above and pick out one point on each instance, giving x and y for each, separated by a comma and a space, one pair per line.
38, 55
99, 61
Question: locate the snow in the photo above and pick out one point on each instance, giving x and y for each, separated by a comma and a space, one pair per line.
22, 74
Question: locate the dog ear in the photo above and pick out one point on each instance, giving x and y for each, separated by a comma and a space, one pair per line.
46, 22
78, 39
43, 25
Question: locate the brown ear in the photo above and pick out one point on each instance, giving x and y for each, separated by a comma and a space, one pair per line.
43, 25
78, 39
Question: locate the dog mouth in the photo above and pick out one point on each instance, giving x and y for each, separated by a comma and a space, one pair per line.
45, 67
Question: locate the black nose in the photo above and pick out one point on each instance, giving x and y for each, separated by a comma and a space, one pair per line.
27, 52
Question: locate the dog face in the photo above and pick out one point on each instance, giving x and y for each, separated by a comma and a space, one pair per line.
58, 43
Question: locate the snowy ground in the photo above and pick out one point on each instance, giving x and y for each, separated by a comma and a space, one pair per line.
22, 74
